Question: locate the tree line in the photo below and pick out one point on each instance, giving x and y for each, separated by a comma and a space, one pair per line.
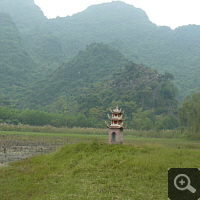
190, 113
188, 117
40, 118
141, 120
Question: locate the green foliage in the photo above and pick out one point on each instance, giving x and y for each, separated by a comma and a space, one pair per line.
40, 118
8, 114
17, 69
3, 101
86, 89
168, 122
96, 63
190, 113
144, 95
96, 79
142, 120
92, 82
54, 41
146, 120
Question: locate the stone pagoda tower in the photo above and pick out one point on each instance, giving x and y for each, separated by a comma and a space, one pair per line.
116, 127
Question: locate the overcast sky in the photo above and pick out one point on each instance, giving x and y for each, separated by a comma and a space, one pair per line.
171, 13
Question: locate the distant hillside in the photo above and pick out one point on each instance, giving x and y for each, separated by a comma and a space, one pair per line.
122, 26
101, 77
28, 17
17, 69
136, 88
25, 13
95, 64
116, 23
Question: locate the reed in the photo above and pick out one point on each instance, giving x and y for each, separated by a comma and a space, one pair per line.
96, 131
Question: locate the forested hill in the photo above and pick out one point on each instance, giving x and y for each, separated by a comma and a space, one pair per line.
17, 69
101, 77
146, 96
96, 63
54, 41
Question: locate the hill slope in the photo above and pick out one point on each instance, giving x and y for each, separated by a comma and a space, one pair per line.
116, 23
101, 77
17, 69
120, 25
145, 95
96, 63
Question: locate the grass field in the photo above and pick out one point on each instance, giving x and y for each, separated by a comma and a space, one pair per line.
86, 167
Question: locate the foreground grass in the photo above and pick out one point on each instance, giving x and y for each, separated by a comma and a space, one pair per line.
96, 170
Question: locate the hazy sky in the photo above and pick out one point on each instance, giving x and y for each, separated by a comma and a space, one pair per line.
171, 13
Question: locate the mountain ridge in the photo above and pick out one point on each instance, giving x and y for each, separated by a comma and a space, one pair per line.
52, 42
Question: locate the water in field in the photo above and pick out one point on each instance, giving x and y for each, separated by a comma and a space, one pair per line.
15, 147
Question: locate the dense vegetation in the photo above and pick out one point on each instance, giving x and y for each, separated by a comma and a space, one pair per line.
78, 82
147, 97
96, 63
83, 96
54, 41
17, 69
40, 118
101, 77
190, 113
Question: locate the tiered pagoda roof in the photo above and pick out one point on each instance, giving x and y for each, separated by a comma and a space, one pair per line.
116, 118
116, 110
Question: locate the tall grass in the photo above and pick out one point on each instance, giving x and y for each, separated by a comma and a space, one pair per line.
51, 129
94, 131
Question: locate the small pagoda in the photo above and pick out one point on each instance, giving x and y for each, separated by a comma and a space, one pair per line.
116, 127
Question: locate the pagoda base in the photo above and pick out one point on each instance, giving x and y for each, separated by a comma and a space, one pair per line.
115, 136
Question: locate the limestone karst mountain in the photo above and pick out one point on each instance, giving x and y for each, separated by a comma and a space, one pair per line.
51, 42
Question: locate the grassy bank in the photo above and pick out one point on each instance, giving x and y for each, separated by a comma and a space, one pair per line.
96, 170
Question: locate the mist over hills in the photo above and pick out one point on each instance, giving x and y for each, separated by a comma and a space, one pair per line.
51, 42
17, 69
25, 13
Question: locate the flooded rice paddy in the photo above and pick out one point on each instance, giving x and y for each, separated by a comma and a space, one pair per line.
16, 146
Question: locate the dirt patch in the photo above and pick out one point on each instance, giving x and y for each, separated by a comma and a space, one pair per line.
2, 165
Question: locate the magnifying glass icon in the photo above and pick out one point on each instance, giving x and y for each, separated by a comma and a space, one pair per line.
187, 185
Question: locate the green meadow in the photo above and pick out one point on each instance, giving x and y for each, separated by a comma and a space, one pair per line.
86, 167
